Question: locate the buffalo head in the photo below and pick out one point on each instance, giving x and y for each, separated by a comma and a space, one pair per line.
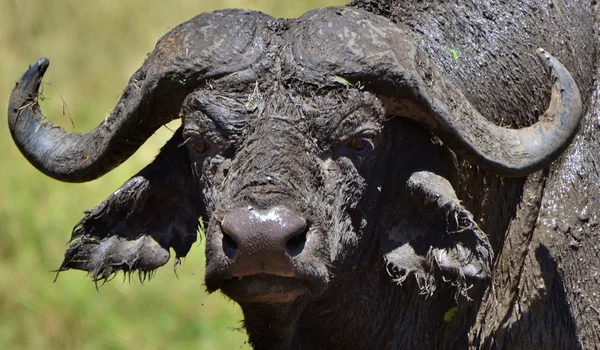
308, 148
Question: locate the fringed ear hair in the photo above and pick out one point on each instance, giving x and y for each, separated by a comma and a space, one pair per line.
438, 236
135, 228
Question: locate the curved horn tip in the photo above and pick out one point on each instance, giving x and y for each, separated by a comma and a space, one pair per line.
38, 68
546, 59
42, 63
34, 75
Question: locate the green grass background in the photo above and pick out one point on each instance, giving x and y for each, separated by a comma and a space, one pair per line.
94, 47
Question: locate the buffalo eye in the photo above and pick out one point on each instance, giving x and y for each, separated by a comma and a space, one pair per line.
198, 144
359, 144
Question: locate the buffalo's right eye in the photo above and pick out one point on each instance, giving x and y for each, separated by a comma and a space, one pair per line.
199, 145
359, 144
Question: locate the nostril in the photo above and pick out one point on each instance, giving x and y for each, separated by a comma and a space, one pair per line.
230, 246
295, 245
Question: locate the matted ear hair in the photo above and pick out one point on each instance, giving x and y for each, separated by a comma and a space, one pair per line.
134, 228
437, 236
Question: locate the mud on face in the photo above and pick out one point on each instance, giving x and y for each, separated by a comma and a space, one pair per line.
288, 180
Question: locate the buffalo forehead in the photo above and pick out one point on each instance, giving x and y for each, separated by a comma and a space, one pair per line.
329, 115
277, 67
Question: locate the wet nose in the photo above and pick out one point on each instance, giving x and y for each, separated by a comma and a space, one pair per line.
263, 236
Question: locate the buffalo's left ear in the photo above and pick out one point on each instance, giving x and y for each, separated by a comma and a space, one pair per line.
134, 228
434, 237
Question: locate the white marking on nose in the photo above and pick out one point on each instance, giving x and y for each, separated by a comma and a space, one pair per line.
271, 215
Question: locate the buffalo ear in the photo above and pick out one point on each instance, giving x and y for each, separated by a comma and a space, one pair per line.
434, 236
134, 228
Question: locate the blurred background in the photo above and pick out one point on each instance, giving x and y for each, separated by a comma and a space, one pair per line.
94, 47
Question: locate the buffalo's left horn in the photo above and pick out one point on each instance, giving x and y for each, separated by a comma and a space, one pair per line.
208, 46
507, 152
360, 46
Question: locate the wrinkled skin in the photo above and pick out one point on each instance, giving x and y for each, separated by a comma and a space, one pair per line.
390, 222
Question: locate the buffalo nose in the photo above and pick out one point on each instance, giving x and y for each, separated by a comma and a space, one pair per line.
270, 234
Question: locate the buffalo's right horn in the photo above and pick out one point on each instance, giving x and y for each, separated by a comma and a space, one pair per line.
208, 46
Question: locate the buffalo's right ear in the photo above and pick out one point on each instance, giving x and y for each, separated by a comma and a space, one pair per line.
134, 228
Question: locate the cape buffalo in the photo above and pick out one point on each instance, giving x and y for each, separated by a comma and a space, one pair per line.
373, 176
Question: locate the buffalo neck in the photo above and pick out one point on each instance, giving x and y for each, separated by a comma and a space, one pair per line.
359, 310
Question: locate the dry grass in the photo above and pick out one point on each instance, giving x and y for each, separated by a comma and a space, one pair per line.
94, 47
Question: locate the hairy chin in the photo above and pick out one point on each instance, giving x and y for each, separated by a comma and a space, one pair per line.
265, 288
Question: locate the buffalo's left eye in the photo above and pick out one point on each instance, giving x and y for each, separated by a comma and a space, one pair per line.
199, 145
359, 144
